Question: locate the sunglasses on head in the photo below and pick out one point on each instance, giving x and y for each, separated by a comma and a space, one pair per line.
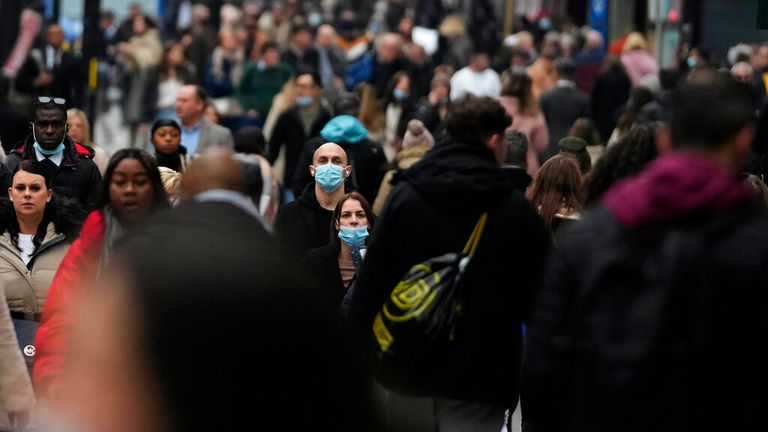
48, 99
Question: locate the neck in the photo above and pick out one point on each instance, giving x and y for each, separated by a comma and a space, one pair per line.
28, 223
191, 121
328, 200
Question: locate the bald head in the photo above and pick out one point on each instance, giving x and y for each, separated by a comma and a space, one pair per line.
213, 169
329, 152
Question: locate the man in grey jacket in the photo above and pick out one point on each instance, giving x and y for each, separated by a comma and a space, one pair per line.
197, 133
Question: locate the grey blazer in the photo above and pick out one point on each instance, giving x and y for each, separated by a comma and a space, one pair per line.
212, 135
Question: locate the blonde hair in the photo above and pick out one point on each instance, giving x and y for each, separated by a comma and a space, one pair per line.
634, 41
171, 180
452, 26
74, 112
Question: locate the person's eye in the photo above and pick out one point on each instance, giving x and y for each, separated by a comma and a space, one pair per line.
35, 188
141, 181
20, 188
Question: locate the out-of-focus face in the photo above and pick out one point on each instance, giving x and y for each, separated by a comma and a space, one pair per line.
302, 39
55, 36
77, 129
352, 214
139, 25
130, 191
480, 62
760, 59
405, 26
29, 194
176, 55
50, 127
189, 107
441, 91
228, 40
389, 50
166, 140
404, 84
211, 114
306, 86
271, 57
326, 37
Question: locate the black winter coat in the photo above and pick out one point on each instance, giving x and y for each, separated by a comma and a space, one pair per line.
77, 176
431, 211
302, 224
289, 132
322, 265
368, 166
661, 327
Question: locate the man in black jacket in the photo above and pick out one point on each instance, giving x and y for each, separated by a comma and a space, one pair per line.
75, 173
431, 211
299, 123
652, 315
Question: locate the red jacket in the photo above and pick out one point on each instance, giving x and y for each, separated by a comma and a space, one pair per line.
69, 288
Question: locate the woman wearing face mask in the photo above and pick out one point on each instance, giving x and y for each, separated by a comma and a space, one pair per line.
335, 265
166, 137
398, 108
132, 192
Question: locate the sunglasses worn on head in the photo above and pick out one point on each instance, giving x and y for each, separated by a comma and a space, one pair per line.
48, 99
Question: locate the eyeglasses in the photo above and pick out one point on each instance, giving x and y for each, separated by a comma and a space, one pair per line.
48, 99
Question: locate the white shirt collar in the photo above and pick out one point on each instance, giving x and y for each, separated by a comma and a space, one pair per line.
57, 158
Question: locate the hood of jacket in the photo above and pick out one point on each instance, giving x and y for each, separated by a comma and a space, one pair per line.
308, 197
455, 175
673, 187
344, 129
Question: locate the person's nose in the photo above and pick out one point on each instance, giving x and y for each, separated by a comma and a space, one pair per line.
354, 221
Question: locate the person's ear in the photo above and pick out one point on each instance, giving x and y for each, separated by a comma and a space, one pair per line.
347, 171
10, 197
742, 142
50, 195
312, 170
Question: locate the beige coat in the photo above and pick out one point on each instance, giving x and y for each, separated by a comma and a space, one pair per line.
404, 159
16, 392
26, 290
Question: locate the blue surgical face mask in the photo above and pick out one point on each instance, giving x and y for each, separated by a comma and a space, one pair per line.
314, 19
329, 176
400, 95
691, 62
353, 237
304, 101
261, 65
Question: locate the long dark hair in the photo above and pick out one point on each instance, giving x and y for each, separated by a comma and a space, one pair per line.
159, 197
337, 215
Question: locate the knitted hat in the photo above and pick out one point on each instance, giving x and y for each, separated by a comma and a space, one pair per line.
417, 134
576, 148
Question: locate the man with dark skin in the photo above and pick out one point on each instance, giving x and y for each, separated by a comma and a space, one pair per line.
75, 174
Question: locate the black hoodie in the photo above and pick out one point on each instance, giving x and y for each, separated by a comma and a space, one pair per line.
431, 211
303, 224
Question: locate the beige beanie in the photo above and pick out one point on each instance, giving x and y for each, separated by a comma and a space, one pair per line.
416, 134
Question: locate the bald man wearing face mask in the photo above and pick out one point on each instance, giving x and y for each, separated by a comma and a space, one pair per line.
305, 223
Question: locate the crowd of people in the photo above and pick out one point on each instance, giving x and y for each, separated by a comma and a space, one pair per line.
285, 170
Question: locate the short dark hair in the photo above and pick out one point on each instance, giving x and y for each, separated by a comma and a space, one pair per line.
201, 93
707, 112
163, 123
268, 45
565, 67
314, 74
517, 147
159, 197
472, 120
250, 140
